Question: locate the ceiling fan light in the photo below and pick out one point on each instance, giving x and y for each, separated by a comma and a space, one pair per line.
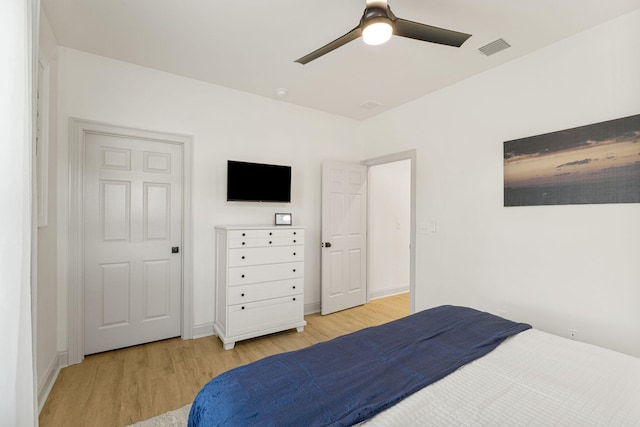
377, 32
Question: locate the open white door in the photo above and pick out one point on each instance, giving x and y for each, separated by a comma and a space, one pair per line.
344, 235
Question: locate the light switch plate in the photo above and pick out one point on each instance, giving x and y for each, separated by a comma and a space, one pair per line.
422, 228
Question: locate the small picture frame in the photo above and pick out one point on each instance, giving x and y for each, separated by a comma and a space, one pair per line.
283, 219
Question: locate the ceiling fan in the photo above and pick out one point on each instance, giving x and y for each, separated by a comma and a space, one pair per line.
377, 25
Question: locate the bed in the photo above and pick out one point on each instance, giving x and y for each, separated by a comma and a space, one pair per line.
443, 366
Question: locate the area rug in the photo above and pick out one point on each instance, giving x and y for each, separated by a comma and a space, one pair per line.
175, 418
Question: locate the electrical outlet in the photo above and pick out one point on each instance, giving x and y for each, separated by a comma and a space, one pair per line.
572, 334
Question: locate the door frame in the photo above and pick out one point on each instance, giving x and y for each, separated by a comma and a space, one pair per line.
78, 128
391, 158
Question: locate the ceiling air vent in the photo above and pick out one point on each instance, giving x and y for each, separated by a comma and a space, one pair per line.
370, 105
494, 47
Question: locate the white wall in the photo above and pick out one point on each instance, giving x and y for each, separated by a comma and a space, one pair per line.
557, 267
225, 124
389, 228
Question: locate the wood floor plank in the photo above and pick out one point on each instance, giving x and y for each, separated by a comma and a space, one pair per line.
121, 387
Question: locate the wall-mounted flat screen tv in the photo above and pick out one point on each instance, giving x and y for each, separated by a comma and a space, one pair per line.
258, 182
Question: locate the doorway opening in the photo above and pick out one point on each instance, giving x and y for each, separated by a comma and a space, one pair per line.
391, 226
346, 249
80, 132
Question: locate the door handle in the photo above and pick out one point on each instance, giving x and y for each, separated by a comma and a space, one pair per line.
327, 244
175, 249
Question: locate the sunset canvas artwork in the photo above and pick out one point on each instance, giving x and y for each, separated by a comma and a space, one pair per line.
598, 163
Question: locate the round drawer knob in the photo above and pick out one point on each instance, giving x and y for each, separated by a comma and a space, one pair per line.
294, 241
243, 307
294, 233
242, 256
269, 241
294, 270
270, 234
294, 254
294, 299
294, 287
244, 234
241, 295
242, 276
242, 243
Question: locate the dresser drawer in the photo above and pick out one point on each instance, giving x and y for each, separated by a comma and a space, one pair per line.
243, 294
265, 273
256, 234
262, 315
257, 256
266, 242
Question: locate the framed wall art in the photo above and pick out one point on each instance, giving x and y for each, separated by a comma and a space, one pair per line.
597, 163
283, 219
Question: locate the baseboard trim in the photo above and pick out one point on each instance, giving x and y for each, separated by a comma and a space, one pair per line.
388, 292
314, 307
63, 359
50, 377
204, 330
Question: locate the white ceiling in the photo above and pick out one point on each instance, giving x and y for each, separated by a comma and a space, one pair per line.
251, 45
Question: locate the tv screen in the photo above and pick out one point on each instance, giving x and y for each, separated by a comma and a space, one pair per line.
257, 182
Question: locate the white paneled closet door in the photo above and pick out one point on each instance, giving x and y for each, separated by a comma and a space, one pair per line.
132, 230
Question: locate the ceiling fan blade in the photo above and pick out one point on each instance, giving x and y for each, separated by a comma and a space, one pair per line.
427, 33
340, 41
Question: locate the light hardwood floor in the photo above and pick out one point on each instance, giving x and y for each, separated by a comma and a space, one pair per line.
121, 387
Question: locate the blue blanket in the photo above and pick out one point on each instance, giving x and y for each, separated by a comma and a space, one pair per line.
351, 378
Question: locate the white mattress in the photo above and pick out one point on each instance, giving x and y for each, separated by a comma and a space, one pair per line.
532, 379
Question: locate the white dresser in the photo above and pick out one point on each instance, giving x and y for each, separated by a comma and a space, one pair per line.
259, 281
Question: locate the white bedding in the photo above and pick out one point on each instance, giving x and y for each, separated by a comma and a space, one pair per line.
532, 379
